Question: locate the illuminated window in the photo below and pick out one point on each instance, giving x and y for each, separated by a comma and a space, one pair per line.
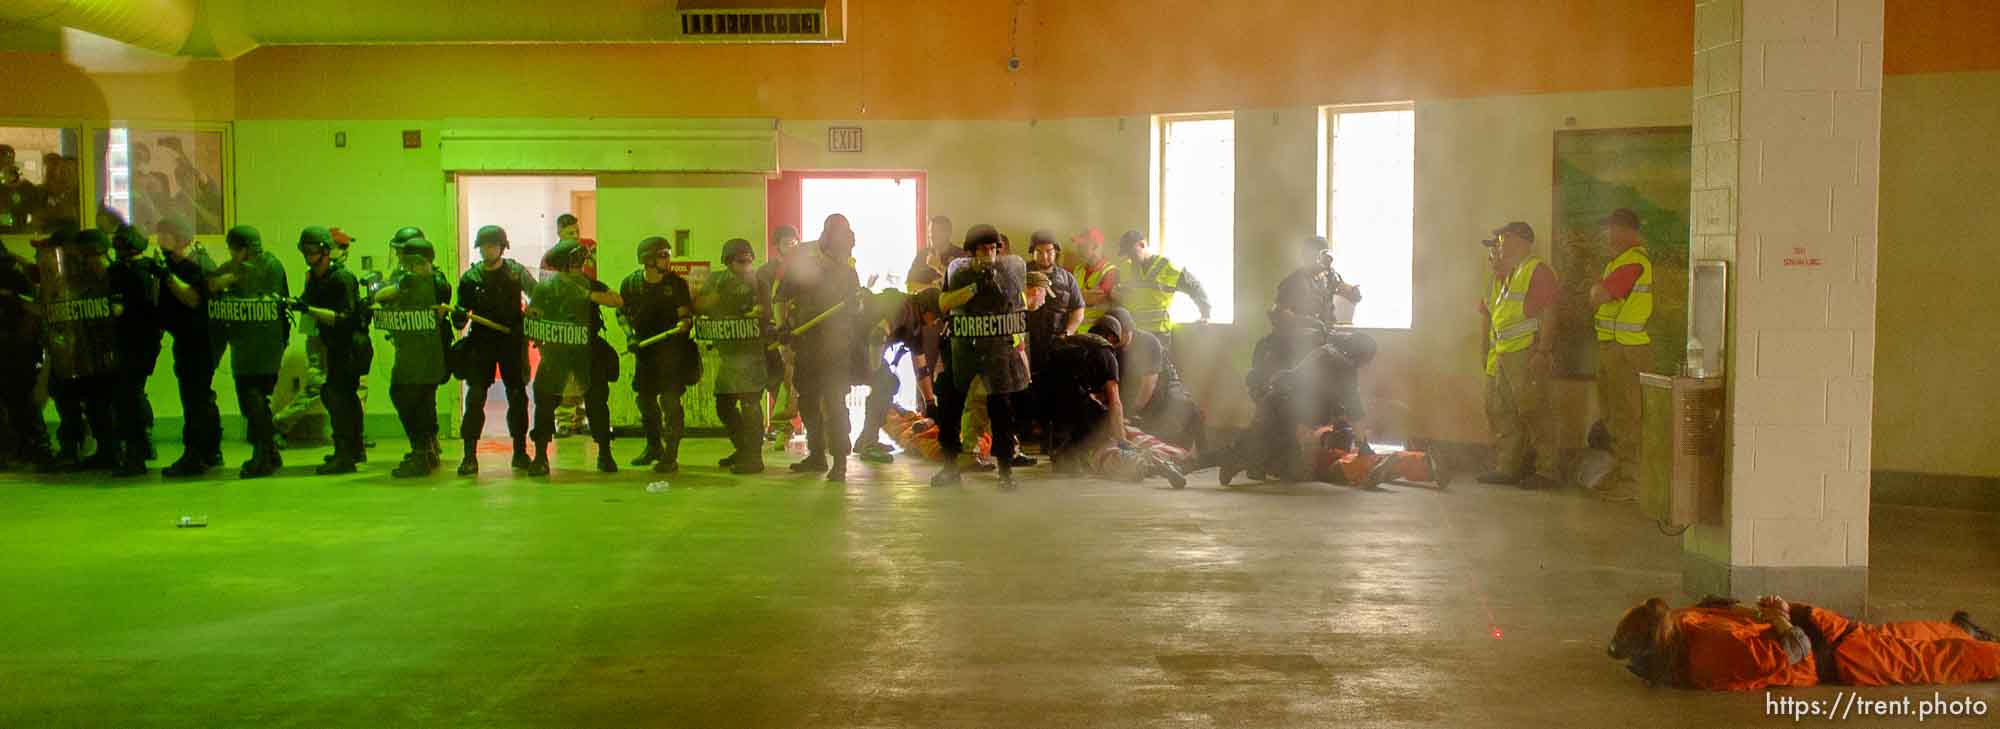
145, 175
40, 180
1368, 207
1194, 202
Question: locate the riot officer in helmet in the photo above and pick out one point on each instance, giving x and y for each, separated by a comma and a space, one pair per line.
493, 290
558, 320
137, 284
80, 315
987, 335
250, 310
183, 313
659, 315
332, 298
416, 317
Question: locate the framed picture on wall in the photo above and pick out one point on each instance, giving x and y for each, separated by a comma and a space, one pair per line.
145, 175
41, 178
1646, 170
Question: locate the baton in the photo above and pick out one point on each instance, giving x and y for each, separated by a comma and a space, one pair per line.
655, 339
488, 323
830, 311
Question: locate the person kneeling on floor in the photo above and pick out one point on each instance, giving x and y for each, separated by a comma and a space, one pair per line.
1320, 390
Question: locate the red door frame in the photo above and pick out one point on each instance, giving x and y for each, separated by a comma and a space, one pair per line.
784, 204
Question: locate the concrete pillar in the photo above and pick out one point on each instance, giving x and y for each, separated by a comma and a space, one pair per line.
1787, 122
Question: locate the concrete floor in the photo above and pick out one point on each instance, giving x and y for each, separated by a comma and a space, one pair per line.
784, 601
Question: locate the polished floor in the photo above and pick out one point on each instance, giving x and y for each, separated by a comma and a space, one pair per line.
587, 600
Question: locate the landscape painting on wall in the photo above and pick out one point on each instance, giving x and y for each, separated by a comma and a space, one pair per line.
1601, 170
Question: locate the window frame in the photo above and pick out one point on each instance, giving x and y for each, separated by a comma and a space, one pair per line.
91, 185
86, 172
1328, 123
1156, 199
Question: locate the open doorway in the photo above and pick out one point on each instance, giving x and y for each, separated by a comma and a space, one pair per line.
527, 207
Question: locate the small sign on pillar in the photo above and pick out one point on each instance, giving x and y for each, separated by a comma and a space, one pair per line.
843, 139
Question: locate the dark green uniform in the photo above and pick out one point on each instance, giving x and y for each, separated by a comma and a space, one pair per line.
987, 340
736, 335
558, 322
737, 325
420, 335
253, 323
82, 348
250, 316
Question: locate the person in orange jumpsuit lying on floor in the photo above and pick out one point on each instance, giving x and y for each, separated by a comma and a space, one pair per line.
1722, 645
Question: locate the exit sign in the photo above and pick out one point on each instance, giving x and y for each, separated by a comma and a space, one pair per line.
843, 139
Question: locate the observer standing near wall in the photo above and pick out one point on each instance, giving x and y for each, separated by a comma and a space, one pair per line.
1519, 315
1624, 301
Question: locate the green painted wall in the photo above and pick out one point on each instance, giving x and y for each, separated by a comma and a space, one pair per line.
1935, 343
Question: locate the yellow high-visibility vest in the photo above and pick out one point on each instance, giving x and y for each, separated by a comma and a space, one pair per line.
1507, 302
1147, 290
1087, 282
1624, 320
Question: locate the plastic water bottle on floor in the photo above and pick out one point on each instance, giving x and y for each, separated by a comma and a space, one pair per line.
797, 445
657, 486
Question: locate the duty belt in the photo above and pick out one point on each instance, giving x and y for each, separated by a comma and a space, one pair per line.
406, 320
556, 332
246, 310
987, 325
728, 330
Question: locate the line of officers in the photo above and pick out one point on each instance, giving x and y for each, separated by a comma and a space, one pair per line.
95, 307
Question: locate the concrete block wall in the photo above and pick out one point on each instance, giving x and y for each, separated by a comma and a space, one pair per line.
1787, 128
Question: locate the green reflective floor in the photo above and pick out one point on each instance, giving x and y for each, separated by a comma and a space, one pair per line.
782, 601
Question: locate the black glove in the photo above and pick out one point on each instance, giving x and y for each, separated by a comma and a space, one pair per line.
298, 305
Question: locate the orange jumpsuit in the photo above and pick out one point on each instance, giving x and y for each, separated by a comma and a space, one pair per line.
1894, 654
1730, 652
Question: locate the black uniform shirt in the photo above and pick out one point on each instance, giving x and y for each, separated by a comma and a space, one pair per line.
494, 295
136, 286
1082, 362
339, 291
815, 283
651, 308
177, 318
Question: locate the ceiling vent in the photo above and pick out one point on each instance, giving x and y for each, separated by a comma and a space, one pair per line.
755, 20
